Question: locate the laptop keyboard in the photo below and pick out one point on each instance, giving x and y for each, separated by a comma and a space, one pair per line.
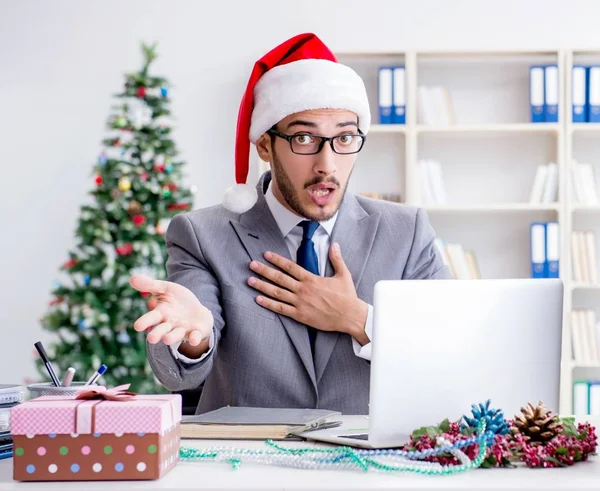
361, 436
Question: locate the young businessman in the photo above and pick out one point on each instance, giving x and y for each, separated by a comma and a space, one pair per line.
268, 298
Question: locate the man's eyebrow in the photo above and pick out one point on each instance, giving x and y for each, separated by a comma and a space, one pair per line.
299, 122
310, 124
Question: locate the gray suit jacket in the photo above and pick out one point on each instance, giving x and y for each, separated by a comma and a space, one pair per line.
261, 358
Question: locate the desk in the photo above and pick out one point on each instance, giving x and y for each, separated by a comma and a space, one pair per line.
221, 476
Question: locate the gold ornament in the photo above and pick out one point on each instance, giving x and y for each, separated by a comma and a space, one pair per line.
124, 184
537, 424
134, 208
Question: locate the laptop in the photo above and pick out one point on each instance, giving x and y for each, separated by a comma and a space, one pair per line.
439, 346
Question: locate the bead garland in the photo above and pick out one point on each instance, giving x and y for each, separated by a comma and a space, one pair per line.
384, 460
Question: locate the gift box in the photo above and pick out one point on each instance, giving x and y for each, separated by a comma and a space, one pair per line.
98, 434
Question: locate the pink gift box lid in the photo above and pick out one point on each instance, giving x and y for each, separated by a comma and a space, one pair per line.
66, 415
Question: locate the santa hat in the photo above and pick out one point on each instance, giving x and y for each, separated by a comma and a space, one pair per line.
298, 75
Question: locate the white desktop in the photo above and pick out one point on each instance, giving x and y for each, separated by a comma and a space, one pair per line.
440, 346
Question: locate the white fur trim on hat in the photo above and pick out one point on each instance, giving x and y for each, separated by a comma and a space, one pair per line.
304, 85
239, 198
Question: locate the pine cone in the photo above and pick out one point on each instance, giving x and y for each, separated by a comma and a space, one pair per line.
537, 424
134, 208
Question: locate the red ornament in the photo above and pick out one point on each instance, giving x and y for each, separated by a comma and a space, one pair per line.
144, 176
69, 264
178, 206
159, 167
141, 92
139, 220
98, 179
125, 249
145, 294
171, 185
56, 301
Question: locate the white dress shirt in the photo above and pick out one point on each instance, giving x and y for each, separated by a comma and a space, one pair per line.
288, 223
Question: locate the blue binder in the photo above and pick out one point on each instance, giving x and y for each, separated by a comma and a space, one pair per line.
538, 249
552, 240
536, 93
399, 95
551, 90
579, 94
385, 94
594, 94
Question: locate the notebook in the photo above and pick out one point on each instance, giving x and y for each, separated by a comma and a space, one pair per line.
254, 423
10, 394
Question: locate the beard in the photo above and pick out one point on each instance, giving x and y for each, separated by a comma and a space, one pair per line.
290, 195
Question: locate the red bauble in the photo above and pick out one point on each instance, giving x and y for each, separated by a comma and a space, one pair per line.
171, 185
141, 92
145, 294
144, 176
178, 206
125, 249
69, 264
98, 179
139, 220
159, 167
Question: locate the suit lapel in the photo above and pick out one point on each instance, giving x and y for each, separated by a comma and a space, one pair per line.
258, 232
355, 231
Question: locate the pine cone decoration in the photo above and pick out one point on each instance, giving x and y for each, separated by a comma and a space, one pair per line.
537, 424
134, 208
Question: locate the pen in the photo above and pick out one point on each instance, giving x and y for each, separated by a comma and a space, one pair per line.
97, 374
68, 377
40, 348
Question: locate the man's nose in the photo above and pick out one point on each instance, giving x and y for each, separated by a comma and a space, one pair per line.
325, 161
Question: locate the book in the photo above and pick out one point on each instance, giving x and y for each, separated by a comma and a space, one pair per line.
254, 423
10, 393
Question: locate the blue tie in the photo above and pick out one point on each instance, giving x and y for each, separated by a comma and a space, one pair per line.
307, 258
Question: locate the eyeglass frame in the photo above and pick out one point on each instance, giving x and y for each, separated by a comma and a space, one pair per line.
324, 139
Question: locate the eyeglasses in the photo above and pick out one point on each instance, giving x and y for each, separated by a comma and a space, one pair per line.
307, 144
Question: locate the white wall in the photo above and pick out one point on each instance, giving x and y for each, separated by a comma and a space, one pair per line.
60, 61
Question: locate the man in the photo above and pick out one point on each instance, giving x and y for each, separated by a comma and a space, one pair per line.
268, 298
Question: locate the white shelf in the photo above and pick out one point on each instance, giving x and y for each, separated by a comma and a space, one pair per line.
585, 127
584, 286
585, 208
492, 208
574, 365
492, 128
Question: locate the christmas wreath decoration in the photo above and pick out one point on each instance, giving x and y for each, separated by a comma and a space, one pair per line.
536, 438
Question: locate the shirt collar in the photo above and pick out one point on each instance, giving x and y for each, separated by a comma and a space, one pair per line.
286, 219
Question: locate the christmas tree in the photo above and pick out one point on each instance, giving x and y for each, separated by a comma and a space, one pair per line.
136, 191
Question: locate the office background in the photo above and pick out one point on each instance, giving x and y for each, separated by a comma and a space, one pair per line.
61, 62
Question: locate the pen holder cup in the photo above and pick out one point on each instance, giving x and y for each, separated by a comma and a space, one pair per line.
49, 389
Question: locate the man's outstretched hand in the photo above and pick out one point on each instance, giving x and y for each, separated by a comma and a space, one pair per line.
178, 314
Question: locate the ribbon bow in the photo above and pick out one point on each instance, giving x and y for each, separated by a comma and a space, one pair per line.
118, 393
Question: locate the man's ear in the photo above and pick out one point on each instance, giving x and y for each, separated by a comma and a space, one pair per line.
263, 147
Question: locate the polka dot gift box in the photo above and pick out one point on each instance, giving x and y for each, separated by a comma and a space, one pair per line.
99, 434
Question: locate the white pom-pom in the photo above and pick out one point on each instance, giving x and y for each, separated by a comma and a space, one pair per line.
240, 198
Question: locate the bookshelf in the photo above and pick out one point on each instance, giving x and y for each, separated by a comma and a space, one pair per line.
489, 152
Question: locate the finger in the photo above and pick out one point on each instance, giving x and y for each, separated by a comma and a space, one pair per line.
148, 320
174, 336
278, 307
195, 338
290, 267
145, 284
159, 331
337, 260
273, 291
276, 276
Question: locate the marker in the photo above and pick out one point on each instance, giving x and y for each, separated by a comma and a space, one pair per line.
68, 377
40, 348
94, 378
